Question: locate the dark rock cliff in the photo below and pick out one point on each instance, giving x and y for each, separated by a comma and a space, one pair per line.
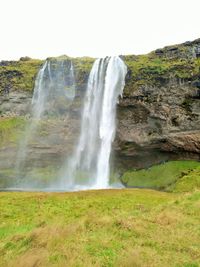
160, 110
159, 114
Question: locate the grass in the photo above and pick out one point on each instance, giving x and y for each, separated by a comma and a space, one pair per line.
10, 129
167, 176
100, 228
188, 182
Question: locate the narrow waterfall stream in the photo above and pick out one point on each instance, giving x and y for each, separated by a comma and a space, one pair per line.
89, 167
54, 90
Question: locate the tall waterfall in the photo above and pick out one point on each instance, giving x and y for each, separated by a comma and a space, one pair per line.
89, 167
53, 92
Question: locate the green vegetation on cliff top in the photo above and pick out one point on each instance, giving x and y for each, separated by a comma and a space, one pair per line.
19, 75
153, 69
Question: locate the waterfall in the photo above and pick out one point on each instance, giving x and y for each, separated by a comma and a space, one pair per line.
89, 166
54, 81
38, 101
54, 91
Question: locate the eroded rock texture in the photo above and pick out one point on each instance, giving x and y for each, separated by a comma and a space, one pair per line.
158, 116
160, 109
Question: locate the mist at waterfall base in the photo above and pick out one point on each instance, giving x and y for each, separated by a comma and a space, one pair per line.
87, 165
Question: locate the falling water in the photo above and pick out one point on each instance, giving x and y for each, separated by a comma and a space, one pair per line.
55, 81
89, 166
54, 88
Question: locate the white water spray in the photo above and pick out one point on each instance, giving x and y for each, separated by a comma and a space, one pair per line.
54, 90
89, 167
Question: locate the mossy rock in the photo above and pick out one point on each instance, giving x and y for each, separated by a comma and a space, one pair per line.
167, 176
156, 69
10, 129
19, 75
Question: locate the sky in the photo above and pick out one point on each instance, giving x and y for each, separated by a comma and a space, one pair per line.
96, 28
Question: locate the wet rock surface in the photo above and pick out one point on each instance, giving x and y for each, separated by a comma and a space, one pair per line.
15, 103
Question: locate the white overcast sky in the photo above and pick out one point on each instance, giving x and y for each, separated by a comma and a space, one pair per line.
43, 28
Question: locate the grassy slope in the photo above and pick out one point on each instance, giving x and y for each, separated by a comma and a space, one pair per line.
188, 182
166, 176
100, 228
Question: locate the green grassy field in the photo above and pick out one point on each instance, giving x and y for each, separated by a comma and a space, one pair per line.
127, 227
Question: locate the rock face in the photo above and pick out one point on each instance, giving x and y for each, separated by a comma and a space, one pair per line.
159, 114
163, 119
16, 103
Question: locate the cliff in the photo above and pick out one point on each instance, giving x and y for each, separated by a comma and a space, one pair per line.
159, 114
